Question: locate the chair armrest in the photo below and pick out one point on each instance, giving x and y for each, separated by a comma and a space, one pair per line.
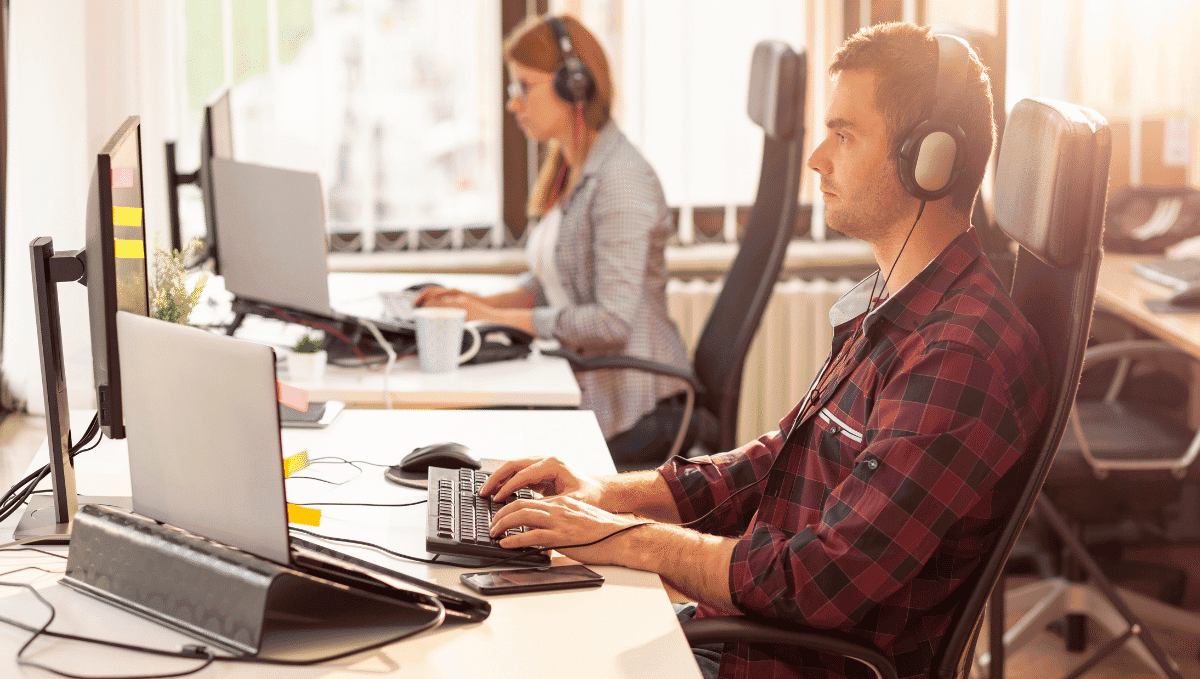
739, 629
692, 384
1123, 350
1111, 351
581, 364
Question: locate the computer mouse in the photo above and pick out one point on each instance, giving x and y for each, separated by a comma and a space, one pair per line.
1187, 297
412, 470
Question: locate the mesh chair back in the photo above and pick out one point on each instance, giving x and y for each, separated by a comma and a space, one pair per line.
1051, 188
776, 103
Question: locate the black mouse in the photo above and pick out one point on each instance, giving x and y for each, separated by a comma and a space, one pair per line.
413, 469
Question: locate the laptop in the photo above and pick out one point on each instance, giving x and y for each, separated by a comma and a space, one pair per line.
205, 454
271, 227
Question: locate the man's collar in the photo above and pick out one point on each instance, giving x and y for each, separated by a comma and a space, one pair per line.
912, 303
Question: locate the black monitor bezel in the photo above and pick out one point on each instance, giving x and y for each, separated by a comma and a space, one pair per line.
208, 197
102, 279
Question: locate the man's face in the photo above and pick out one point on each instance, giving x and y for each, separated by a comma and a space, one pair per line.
863, 195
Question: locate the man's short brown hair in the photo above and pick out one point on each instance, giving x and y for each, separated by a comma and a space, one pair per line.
904, 59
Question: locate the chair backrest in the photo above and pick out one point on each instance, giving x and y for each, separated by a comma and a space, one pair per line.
776, 103
1051, 189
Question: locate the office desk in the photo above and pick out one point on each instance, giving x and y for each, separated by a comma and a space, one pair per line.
539, 381
626, 628
1123, 292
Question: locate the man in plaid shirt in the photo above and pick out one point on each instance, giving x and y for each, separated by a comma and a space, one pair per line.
883, 489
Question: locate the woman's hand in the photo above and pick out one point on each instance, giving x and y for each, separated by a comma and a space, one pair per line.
476, 308
430, 295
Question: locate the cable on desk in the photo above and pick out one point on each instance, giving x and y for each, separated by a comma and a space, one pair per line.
19, 493
391, 358
497, 562
358, 504
187, 652
321, 326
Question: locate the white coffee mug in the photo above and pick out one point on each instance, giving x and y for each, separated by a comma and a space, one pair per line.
439, 338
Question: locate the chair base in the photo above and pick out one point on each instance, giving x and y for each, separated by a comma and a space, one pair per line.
1049, 600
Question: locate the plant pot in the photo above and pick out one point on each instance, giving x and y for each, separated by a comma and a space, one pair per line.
307, 367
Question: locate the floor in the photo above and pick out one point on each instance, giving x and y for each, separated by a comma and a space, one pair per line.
20, 436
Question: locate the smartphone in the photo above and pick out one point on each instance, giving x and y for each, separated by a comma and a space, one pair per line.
532, 579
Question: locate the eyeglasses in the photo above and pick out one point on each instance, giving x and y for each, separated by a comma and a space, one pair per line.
519, 89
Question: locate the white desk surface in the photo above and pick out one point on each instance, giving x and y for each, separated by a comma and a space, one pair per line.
626, 628
540, 381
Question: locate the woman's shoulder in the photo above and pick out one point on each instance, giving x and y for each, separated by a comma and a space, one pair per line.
618, 157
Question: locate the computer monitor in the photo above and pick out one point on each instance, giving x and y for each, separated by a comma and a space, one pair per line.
116, 262
114, 269
216, 141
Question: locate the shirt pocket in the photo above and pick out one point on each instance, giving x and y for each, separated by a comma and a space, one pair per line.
840, 441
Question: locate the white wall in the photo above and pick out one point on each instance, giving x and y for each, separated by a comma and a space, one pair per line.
77, 68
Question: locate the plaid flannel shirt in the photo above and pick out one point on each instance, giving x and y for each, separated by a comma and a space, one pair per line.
889, 488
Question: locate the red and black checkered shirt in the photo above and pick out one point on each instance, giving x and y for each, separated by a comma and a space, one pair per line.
889, 482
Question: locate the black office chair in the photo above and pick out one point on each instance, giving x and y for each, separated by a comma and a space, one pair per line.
1120, 461
1051, 185
776, 103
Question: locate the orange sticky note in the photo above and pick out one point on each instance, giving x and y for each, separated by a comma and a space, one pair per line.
290, 396
305, 516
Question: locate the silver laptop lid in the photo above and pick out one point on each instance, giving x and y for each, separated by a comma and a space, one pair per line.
271, 231
203, 430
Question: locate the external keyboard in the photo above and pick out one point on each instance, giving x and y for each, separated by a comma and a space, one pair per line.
459, 519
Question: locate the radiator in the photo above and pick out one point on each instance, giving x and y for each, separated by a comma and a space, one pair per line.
788, 350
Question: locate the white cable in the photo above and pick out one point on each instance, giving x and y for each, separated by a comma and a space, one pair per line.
391, 358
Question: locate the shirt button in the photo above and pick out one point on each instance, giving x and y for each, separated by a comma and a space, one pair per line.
834, 429
872, 464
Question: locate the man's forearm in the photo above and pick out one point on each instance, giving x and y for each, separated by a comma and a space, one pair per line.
642, 493
696, 564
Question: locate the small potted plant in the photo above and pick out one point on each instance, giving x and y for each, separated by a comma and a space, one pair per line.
307, 361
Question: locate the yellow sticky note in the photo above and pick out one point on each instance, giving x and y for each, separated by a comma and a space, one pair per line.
129, 248
305, 516
127, 216
294, 463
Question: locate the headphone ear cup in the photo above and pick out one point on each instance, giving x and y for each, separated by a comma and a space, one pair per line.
573, 82
931, 159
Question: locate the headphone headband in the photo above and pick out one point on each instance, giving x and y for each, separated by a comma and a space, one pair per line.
573, 81
934, 153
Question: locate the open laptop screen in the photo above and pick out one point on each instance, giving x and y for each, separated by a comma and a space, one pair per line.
203, 432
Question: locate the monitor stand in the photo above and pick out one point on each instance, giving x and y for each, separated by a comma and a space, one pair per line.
39, 521
49, 518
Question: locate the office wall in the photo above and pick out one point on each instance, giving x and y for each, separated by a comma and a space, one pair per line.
77, 68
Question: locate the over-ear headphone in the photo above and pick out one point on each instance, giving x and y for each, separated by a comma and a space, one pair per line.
934, 153
573, 81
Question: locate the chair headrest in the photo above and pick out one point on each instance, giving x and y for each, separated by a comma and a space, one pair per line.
1053, 165
776, 101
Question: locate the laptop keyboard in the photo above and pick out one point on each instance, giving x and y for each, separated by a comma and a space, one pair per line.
398, 305
341, 567
458, 519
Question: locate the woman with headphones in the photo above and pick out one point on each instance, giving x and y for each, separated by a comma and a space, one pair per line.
598, 274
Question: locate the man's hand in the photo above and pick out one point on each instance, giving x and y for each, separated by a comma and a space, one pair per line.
548, 476
562, 520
